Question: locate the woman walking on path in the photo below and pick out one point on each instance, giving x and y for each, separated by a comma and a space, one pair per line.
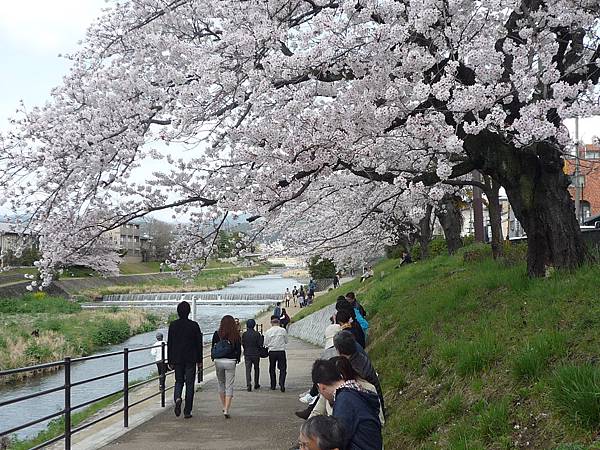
226, 352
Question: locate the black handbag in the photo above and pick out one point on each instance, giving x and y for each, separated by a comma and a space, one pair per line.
263, 352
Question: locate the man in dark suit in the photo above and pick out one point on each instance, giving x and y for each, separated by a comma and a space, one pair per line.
184, 353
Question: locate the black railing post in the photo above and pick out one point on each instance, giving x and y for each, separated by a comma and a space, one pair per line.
67, 403
126, 387
201, 363
162, 379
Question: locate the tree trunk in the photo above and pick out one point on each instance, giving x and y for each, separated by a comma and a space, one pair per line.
451, 221
425, 230
536, 187
492, 189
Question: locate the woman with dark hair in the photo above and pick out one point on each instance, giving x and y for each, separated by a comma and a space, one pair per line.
346, 372
355, 407
345, 318
226, 352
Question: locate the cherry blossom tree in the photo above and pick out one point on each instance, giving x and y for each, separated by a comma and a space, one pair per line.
277, 99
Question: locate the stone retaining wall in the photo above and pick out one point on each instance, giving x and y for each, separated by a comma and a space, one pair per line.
312, 327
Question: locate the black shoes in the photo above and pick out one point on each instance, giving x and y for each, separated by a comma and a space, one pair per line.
178, 407
273, 388
249, 388
187, 416
282, 388
257, 386
304, 414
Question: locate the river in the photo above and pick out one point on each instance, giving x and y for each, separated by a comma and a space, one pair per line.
207, 316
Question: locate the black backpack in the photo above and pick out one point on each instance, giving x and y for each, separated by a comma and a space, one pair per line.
221, 349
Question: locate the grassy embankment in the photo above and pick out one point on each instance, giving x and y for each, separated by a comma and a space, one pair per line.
64, 329
208, 279
474, 355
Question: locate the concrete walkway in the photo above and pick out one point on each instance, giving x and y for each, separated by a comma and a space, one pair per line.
261, 419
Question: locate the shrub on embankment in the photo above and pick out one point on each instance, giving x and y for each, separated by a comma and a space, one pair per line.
473, 354
38, 329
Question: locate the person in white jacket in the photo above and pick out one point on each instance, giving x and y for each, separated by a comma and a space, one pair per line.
157, 353
276, 339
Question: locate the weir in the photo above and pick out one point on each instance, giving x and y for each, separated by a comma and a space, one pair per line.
211, 298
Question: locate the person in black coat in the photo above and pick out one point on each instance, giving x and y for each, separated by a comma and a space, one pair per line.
252, 341
184, 353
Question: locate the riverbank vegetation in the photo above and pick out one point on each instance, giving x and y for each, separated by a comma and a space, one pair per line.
208, 279
37, 329
473, 354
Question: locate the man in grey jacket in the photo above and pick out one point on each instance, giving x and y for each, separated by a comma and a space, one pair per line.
252, 341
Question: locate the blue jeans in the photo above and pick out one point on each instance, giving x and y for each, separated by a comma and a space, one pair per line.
185, 373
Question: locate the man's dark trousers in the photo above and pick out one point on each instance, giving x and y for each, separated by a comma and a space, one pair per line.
162, 370
249, 361
185, 373
277, 357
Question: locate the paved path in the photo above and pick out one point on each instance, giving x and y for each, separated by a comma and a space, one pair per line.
261, 419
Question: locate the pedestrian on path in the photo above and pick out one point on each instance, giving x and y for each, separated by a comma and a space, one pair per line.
252, 341
287, 297
276, 339
355, 407
161, 365
184, 353
277, 310
321, 433
226, 352
295, 295
285, 319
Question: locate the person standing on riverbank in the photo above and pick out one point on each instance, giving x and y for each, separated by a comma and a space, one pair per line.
226, 353
276, 339
184, 353
157, 352
252, 341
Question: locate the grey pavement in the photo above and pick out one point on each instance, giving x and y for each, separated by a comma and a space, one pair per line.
261, 419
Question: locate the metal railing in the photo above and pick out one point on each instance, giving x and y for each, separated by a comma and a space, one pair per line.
67, 409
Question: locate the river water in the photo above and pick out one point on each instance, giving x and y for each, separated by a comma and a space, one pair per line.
207, 316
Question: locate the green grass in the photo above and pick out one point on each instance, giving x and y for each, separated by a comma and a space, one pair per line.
472, 353
38, 303
154, 266
57, 426
208, 279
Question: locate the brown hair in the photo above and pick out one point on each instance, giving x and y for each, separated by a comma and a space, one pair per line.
229, 329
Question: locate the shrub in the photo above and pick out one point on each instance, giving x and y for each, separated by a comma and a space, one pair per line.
575, 392
37, 352
51, 324
477, 253
514, 253
110, 331
438, 246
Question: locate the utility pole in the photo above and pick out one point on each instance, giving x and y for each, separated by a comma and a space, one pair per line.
477, 209
576, 175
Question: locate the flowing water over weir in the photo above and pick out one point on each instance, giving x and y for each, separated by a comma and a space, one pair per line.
243, 299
